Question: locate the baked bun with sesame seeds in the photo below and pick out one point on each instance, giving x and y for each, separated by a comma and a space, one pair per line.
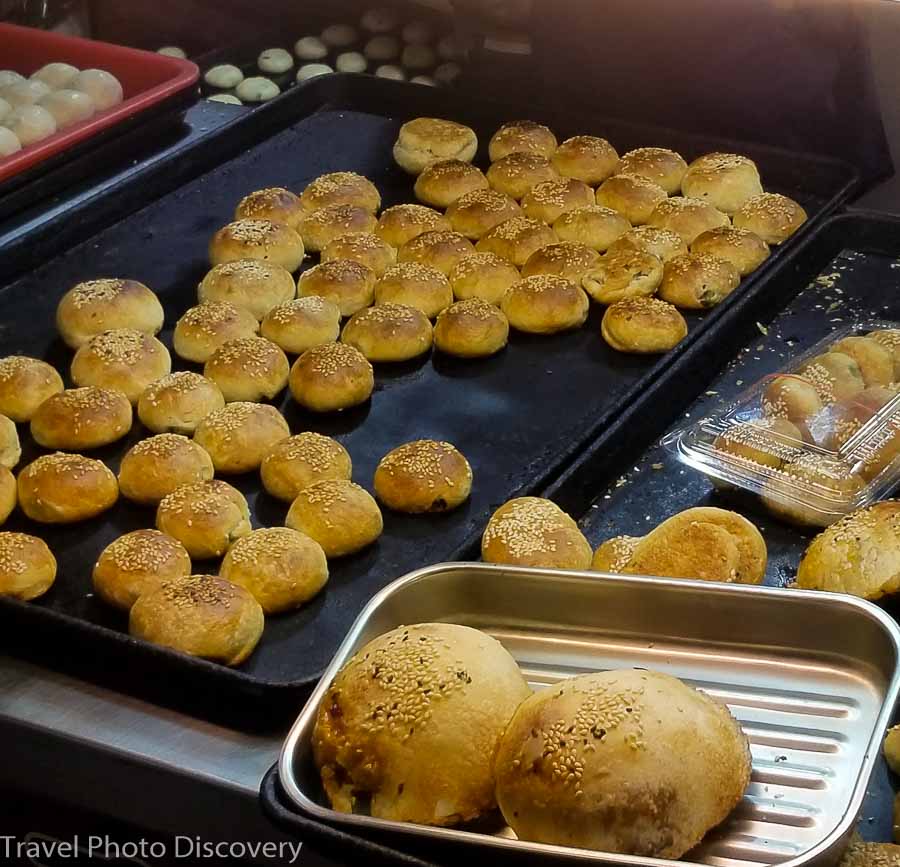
545, 304
875, 362
791, 397
483, 275
522, 136
331, 377
366, 248
204, 328
250, 369
662, 243
862, 854
634, 197
516, 239
25, 383
203, 615
282, 568
442, 183
594, 226
724, 180
586, 158
177, 403
516, 174
633, 762
566, 259
81, 418
206, 517
302, 460
771, 216
764, 441
61, 488
642, 325
389, 332
888, 338
660, 165
688, 218
532, 531
257, 239
341, 188
401, 223
440, 250
27, 566
473, 328
319, 228
10, 448
348, 284
475, 214
614, 554
744, 249
834, 375
427, 140
549, 200
123, 360
101, 305
238, 436
812, 472
137, 562
156, 466
298, 325
414, 285
412, 723
8, 494
423, 476
340, 515
273, 203
621, 274
251, 284
698, 281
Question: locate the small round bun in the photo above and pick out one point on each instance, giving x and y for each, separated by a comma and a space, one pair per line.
61, 489
340, 515
205, 517
275, 61
9, 142
302, 460
531, 531
138, 562
660, 165
389, 332
889, 338
764, 441
516, 239
91, 308
209, 325
125, 360
331, 377
347, 284
401, 223
516, 174
381, 48
594, 226
814, 472
724, 180
251, 284
442, 183
298, 325
27, 567
310, 48
632, 196
771, 216
156, 466
25, 92
876, 362
414, 285
545, 304
698, 281
224, 76
319, 228
68, 107
273, 243
621, 274
172, 51
522, 136
177, 403
365, 248
473, 328
238, 436
8, 494
642, 325
312, 70
101, 86
10, 449
202, 616
566, 259
551, 199
483, 275
475, 214
25, 383
257, 88
341, 188
440, 250
273, 203
248, 369
791, 397
56, 75
280, 567
351, 61
423, 476
339, 35
835, 375
30, 124
662, 243
744, 249
81, 418
428, 140
688, 218
586, 158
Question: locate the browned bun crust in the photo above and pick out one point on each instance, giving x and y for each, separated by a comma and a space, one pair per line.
251, 368
442, 183
156, 466
890, 339
662, 243
81, 418
726, 181
545, 304
10, 447
401, 223
239, 435
302, 460
331, 377
551, 199
389, 332
427, 140
348, 284
771, 216
251, 284
634, 197
297, 325
257, 239
414, 285
791, 397
25, 383
341, 188
643, 325
688, 218
319, 228
743, 248
440, 250
178, 402
876, 362
475, 214
522, 136
61, 489
27, 566
516, 174
473, 328
594, 226
423, 476
273, 203
516, 239
622, 273
586, 158
660, 165
698, 281
564, 260
483, 275
204, 328
8, 494
366, 248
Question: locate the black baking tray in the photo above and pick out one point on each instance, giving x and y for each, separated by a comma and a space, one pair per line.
520, 417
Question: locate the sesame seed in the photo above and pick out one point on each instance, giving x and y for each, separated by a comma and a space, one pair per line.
142, 551
199, 590
253, 232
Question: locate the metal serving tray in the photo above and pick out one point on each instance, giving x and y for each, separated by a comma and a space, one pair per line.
811, 677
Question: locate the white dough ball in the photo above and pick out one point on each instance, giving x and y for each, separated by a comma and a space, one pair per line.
447, 73
339, 35
56, 75
351, 61
451, 47
101, 86
379, 20
31, 123
5, 109
227, 98
257, 89
68, 107
224, 76
418, 57
423, 79
312, 70
9, 142
172, 51
24, 92
9, 76
310, 48
389, 71
418, 32
382, 48
275, 60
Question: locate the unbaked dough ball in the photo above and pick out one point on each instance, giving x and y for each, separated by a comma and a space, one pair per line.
30, 123
351, 61
9, 76
386, 70
381, 19
382, 48
68, 107
311, 70
418, 57
427, 80
257, 89
101, 86
56, 75
275, 61
172, 51
24, 92
5, 109
224, 76
310, 48
418, 32
9, 142
339, 35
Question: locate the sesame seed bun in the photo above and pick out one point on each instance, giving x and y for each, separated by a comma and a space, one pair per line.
440, 250
876, 363
698, 281
516, 239
662, 243
341, 188
25, 383
771, 216
642, 324
349, 285
331, 377
726, 181
302, 460
634, 197
209, 325
250, 369
594, 226
8, 494
61, 489
835, 376
442, 183
10, 448
423, 476
483, 275
810, 473
516, 174
549, 200
427, 140
27, 567
545, 304
251, 284
792, 397
744, 249
473, 328
621, 274
586, 158
474, 214
177, 403
567, 259
766, 442
297, 325
82, 418
319, 228
258, 239
156, 466
414, 285
659, 165
401, 223
890, 339
366, 248
273, 203
688, 218
238, 436
389, 332
522, 136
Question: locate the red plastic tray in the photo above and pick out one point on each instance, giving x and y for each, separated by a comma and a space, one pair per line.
147, 79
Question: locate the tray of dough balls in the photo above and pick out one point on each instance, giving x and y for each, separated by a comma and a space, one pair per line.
58, 92
591, 718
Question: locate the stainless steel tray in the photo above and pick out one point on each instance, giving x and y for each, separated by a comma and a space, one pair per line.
812, 678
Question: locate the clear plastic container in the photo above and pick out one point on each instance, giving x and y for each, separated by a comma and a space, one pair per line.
816, 439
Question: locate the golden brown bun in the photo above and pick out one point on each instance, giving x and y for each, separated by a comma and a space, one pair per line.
545, 304
594, 226
522, 136
263, 240
81, 418
771, 216
791, 397
158, 465
27, 567
389, 332
835, 376
302, 460
205, 517
475, 214
348, 284
204, 328
62, 489
813, 472
745, 250
726, 181
341, 188
25, 383
531, 531
138, 562
840, 421
698, 281
614, 554
549, 200
250, 368
280, 567
634, 762
634, 197
876, 363
401, 223
202, 616
123, 360
10, 448
767, 442
366, 248
565, 259
273, 203
319, 228
516, 174
297, 325
454, 689
891, 750
331, 377
423, 476
440, 250
427, 140
250, 284
621, 274
890, 339
238, 436
442, 183
643, 325
178, 402
516, 239
862, 854
8, 494
586, 158
101, 305
340, 515
660, 165
483, 275
662, 243
412, 284
473, 328
688, 218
